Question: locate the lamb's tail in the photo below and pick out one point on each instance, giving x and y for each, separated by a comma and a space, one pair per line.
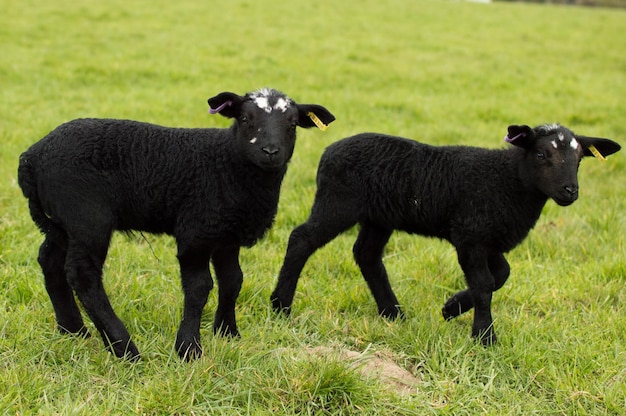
27, 179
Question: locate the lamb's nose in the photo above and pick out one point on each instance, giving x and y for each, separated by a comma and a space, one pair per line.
572, 190
270, 150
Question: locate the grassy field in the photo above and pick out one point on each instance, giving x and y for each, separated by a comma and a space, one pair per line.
441, 72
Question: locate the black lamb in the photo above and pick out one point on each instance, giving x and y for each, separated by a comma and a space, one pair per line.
484, 202
214, 190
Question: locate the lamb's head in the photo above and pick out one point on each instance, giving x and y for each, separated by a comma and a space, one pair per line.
552, 155
265, 124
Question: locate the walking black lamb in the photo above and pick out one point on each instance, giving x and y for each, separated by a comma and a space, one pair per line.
482, 201
214, 190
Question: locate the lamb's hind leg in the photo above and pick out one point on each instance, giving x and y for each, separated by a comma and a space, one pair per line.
368, 252
83, 268
303, 242
461, 302
52, 254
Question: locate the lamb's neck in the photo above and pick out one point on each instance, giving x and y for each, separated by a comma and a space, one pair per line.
530, 201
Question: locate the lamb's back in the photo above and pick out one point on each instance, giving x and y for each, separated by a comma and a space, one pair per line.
424, 189
143, 173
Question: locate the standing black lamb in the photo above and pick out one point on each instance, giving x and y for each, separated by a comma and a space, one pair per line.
482, 201
214, 190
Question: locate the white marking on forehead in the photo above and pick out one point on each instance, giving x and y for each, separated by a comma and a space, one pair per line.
262, 103
554, 144
281, 104
561, 137
253, 140
574, 144
262, 100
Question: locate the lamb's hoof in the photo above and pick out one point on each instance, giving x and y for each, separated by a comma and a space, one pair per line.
126, 350
132, 356
279, 307
391, 313
454, 307
189, 350
226, 330
457, 304
80, 331
451, 309
487, 337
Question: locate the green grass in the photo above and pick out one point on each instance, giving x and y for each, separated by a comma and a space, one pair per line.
442, 72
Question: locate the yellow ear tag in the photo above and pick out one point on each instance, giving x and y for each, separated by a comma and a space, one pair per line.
317, 121
596, 153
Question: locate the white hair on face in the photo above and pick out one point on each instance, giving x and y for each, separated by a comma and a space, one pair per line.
574, 144
262, 103
262, 100
281, 104
554, 144
561, 137
263, 92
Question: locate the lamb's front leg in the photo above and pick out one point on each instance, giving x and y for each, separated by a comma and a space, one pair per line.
197, 283
462, 302
474, 262
457, 304
229, 279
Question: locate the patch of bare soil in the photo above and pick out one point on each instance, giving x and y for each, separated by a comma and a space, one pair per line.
373, 365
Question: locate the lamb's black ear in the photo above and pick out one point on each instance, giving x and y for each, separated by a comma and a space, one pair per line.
311, 115
604, 146
522, 136
227, 104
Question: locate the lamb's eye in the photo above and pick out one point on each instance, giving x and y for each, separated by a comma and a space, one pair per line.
243, 119
541, 155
